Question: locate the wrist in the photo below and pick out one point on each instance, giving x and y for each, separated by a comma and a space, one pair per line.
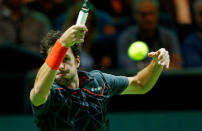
63, 43
155, 63
56, 56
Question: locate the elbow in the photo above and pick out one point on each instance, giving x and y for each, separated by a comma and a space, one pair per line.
143, 88
142, 91
41, 90
146, 89
36, 98
37, 90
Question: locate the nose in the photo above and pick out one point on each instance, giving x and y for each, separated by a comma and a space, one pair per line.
62, 66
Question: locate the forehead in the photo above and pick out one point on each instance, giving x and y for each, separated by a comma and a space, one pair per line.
147, 6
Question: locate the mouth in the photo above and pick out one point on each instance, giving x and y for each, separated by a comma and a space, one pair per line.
62, 72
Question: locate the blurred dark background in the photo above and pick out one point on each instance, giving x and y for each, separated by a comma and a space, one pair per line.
23, 23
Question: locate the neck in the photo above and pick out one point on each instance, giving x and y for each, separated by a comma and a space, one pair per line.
72, 82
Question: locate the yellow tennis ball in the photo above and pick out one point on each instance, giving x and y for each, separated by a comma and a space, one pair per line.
138, 50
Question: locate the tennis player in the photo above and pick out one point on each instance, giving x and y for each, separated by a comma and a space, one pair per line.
64, 98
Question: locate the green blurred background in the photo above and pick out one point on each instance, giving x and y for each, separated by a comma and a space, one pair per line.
124, 121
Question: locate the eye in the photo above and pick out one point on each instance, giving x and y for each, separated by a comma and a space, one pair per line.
66, 59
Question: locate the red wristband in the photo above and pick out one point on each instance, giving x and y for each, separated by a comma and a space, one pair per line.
56, 56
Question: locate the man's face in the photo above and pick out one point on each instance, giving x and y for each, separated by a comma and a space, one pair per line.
147, 16
68, 69
198, 17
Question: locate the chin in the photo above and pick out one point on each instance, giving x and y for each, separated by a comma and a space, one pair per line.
61, 80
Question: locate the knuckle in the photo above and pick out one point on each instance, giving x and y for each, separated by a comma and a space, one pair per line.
72, 31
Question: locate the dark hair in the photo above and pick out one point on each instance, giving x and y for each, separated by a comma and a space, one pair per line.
50, 39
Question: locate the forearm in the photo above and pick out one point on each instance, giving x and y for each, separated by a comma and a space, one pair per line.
149, 75
44, 79
146, 78
43, 83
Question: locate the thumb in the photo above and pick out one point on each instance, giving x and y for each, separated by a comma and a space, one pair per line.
154, 54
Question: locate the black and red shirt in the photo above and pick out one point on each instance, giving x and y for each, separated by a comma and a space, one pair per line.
80, 109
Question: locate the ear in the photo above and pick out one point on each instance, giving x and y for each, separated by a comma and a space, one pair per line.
78, 61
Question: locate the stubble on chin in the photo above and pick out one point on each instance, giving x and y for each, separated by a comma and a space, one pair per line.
63, 80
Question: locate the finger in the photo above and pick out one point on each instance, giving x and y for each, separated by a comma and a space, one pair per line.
165, 58
79, 32
80, 41
161, 56
165, 63
154, 55
80, 28
168, 65
158, 53
151, 54
79, 35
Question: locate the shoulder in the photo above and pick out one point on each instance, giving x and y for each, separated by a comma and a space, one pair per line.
94, 74
90, 73
109, 78
97, 74
100, 76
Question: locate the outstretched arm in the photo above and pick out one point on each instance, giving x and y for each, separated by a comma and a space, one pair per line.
46, 75
146, 78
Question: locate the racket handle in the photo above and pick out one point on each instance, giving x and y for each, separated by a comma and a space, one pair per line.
82, 18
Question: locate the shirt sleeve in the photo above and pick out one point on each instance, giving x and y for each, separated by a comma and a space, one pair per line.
116, 84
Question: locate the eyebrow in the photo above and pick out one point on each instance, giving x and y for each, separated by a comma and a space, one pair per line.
67, 56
